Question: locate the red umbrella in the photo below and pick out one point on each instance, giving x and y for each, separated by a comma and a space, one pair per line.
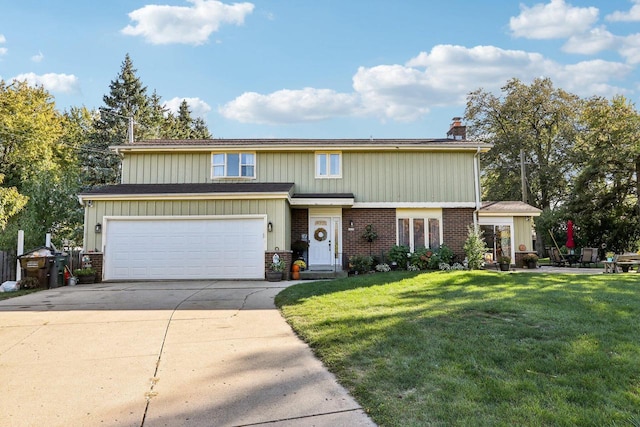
570, 243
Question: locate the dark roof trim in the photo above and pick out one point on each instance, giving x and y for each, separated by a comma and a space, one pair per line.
323, 196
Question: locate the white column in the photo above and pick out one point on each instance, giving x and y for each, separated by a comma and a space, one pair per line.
19, 252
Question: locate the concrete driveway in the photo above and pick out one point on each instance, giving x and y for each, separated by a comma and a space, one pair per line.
210, 353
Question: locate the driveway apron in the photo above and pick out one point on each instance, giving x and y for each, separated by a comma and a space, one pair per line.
206, 353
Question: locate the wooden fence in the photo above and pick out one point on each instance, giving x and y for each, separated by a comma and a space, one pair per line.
7, 266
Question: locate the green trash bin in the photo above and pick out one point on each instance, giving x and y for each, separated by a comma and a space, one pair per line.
56, 274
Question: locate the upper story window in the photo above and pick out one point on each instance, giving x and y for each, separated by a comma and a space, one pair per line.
329, 165
233, 165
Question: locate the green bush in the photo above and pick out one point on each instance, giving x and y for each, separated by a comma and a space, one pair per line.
398, 254
475, 248
29, 283
361, 263
421, 257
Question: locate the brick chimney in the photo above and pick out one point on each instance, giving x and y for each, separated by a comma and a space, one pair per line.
457, 129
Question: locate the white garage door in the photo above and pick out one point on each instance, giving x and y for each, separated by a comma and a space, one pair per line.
230, 248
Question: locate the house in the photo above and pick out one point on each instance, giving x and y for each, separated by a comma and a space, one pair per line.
221, 208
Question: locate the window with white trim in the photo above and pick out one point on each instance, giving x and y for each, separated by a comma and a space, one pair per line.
329, 165
233, 165
413, 233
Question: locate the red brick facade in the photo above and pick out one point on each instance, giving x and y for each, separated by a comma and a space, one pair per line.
454, 229
284, 256
299, 223
96, 262
384, 224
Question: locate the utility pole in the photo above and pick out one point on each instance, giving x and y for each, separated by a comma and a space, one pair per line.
523, 177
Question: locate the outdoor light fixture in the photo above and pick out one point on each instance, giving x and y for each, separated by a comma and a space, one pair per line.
350, 223
270, 227
98, 228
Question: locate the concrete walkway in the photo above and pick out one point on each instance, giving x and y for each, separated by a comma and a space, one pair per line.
213, 353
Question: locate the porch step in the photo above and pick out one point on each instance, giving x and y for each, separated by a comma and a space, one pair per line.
322, 274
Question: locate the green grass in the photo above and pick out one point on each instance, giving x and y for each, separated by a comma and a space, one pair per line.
479, 348
7, 295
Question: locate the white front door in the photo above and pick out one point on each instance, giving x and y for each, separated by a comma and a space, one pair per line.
324, 241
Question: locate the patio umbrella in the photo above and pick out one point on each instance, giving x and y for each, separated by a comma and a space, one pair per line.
570, 243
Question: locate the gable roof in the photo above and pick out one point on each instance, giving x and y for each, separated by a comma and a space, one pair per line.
511, 207
302, 145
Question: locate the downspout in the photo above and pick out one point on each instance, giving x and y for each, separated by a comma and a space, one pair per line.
476, 181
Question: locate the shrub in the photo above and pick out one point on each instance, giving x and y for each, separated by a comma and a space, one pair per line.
420, 258
88, 271
360, 263
475, 248
29, 283
398, 254
383, 268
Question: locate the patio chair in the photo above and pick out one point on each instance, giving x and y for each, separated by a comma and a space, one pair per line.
556, 258
587, 256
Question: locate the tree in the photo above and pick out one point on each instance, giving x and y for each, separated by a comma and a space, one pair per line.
183, 126
475, 248
127, 100
38, 165
11, 202
30, 128
604, 198
538, 119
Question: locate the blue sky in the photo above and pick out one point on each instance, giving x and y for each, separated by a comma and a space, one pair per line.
321, 68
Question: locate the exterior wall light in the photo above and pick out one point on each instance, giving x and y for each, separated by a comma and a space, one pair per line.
98, 228
270, 227
351, 224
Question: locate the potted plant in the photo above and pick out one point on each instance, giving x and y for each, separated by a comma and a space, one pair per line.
504, 262
301, 264
275, 271
85, 275
369, 235
299, 247
531, 260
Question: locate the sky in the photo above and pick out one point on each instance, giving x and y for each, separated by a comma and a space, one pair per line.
321, 68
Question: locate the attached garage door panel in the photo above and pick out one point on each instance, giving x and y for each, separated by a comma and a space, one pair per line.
185, 249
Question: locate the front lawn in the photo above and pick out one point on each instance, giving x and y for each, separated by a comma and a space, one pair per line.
7, 295
479, 348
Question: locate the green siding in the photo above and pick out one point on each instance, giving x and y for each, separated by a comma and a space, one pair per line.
277, 212
372, 176
522, 232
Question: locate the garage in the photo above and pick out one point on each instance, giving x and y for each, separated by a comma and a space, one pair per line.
152, 248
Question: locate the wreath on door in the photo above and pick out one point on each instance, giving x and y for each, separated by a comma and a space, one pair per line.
320, 234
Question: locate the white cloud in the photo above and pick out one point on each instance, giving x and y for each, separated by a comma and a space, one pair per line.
632, 15
556, 19
630, 48
198, 107
37, 58
590, 78
440, 78
62, 83
289, 106
162, 24
596, 40
3, 50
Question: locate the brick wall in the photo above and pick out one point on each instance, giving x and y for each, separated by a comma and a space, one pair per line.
96, 262
454, 229
299, 223
384, 224
284, 256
